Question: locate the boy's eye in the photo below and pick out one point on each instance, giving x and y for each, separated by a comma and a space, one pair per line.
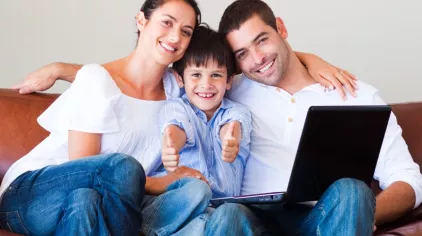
216, 76
196, 75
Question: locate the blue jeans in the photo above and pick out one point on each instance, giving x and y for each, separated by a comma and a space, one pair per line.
346, 208
184, 200
98, 195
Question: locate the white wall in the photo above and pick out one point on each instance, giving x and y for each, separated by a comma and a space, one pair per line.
378, 40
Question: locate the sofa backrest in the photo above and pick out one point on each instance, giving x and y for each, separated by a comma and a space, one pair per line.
19, 130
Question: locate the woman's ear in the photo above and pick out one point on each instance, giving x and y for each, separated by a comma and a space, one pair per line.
281, 28
179, 79
229, 82
140, 20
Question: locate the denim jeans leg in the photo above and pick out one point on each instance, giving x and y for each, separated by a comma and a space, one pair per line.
184, 200
83, 214
346, 208
58, 196
234, 219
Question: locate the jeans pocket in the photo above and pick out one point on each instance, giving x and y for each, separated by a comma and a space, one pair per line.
11, 221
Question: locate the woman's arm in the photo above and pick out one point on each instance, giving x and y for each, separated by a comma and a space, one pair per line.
328, 75
45, 77
83, 144
158, 185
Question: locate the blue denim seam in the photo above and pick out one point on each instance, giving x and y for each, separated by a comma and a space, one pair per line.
20, 221
51, 180
64, 210
318, 230
146, 225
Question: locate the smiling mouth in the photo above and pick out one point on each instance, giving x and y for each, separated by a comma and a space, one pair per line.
206, 95
167, 47
266, 67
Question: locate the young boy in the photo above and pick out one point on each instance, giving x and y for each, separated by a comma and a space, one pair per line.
203, 130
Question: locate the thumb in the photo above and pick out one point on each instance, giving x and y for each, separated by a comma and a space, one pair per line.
169, 138
230, 131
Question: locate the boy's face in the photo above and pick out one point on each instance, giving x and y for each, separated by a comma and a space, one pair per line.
205, 86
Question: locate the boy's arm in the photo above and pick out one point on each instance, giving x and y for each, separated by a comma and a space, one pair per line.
45, 77
226, 179
177, 132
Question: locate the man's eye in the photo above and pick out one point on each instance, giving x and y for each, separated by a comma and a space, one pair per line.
241, 55
262, 40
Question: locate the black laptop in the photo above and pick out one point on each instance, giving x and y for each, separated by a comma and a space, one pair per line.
337, 142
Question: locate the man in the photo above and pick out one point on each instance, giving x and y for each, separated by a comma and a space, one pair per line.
272, 73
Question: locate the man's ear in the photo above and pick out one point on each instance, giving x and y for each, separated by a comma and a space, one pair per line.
281, 28
140, 20
229, 82
179, 79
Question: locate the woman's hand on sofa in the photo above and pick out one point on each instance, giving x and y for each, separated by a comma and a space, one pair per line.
46, 76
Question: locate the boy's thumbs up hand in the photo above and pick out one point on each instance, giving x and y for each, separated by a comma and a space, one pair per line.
230, 144
170, 156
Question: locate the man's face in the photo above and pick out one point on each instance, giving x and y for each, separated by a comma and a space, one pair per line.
260, 50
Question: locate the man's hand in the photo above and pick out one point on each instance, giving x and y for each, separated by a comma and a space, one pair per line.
39, 80
230, 145
170, 155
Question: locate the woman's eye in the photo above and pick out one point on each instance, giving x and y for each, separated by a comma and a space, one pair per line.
186, 33
167, 23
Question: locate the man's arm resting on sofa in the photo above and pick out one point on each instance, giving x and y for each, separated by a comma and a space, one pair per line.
45, 77
392, 203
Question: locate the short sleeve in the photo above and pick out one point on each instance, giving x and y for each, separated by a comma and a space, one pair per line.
87, 106
174, 113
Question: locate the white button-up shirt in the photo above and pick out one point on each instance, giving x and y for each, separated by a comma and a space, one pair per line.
277, 122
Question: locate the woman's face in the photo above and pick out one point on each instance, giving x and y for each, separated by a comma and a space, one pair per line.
167, 33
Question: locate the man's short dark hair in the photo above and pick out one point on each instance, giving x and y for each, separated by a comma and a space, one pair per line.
207, 44
242, 10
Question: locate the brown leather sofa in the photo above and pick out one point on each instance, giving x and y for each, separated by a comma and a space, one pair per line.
19, 133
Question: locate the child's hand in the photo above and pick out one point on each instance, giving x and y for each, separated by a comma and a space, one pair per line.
170, 156
230, 145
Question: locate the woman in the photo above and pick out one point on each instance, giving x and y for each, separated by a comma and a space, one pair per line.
109, 109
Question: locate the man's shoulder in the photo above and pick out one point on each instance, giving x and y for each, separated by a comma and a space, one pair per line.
241, 85
365, 88
365, 94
